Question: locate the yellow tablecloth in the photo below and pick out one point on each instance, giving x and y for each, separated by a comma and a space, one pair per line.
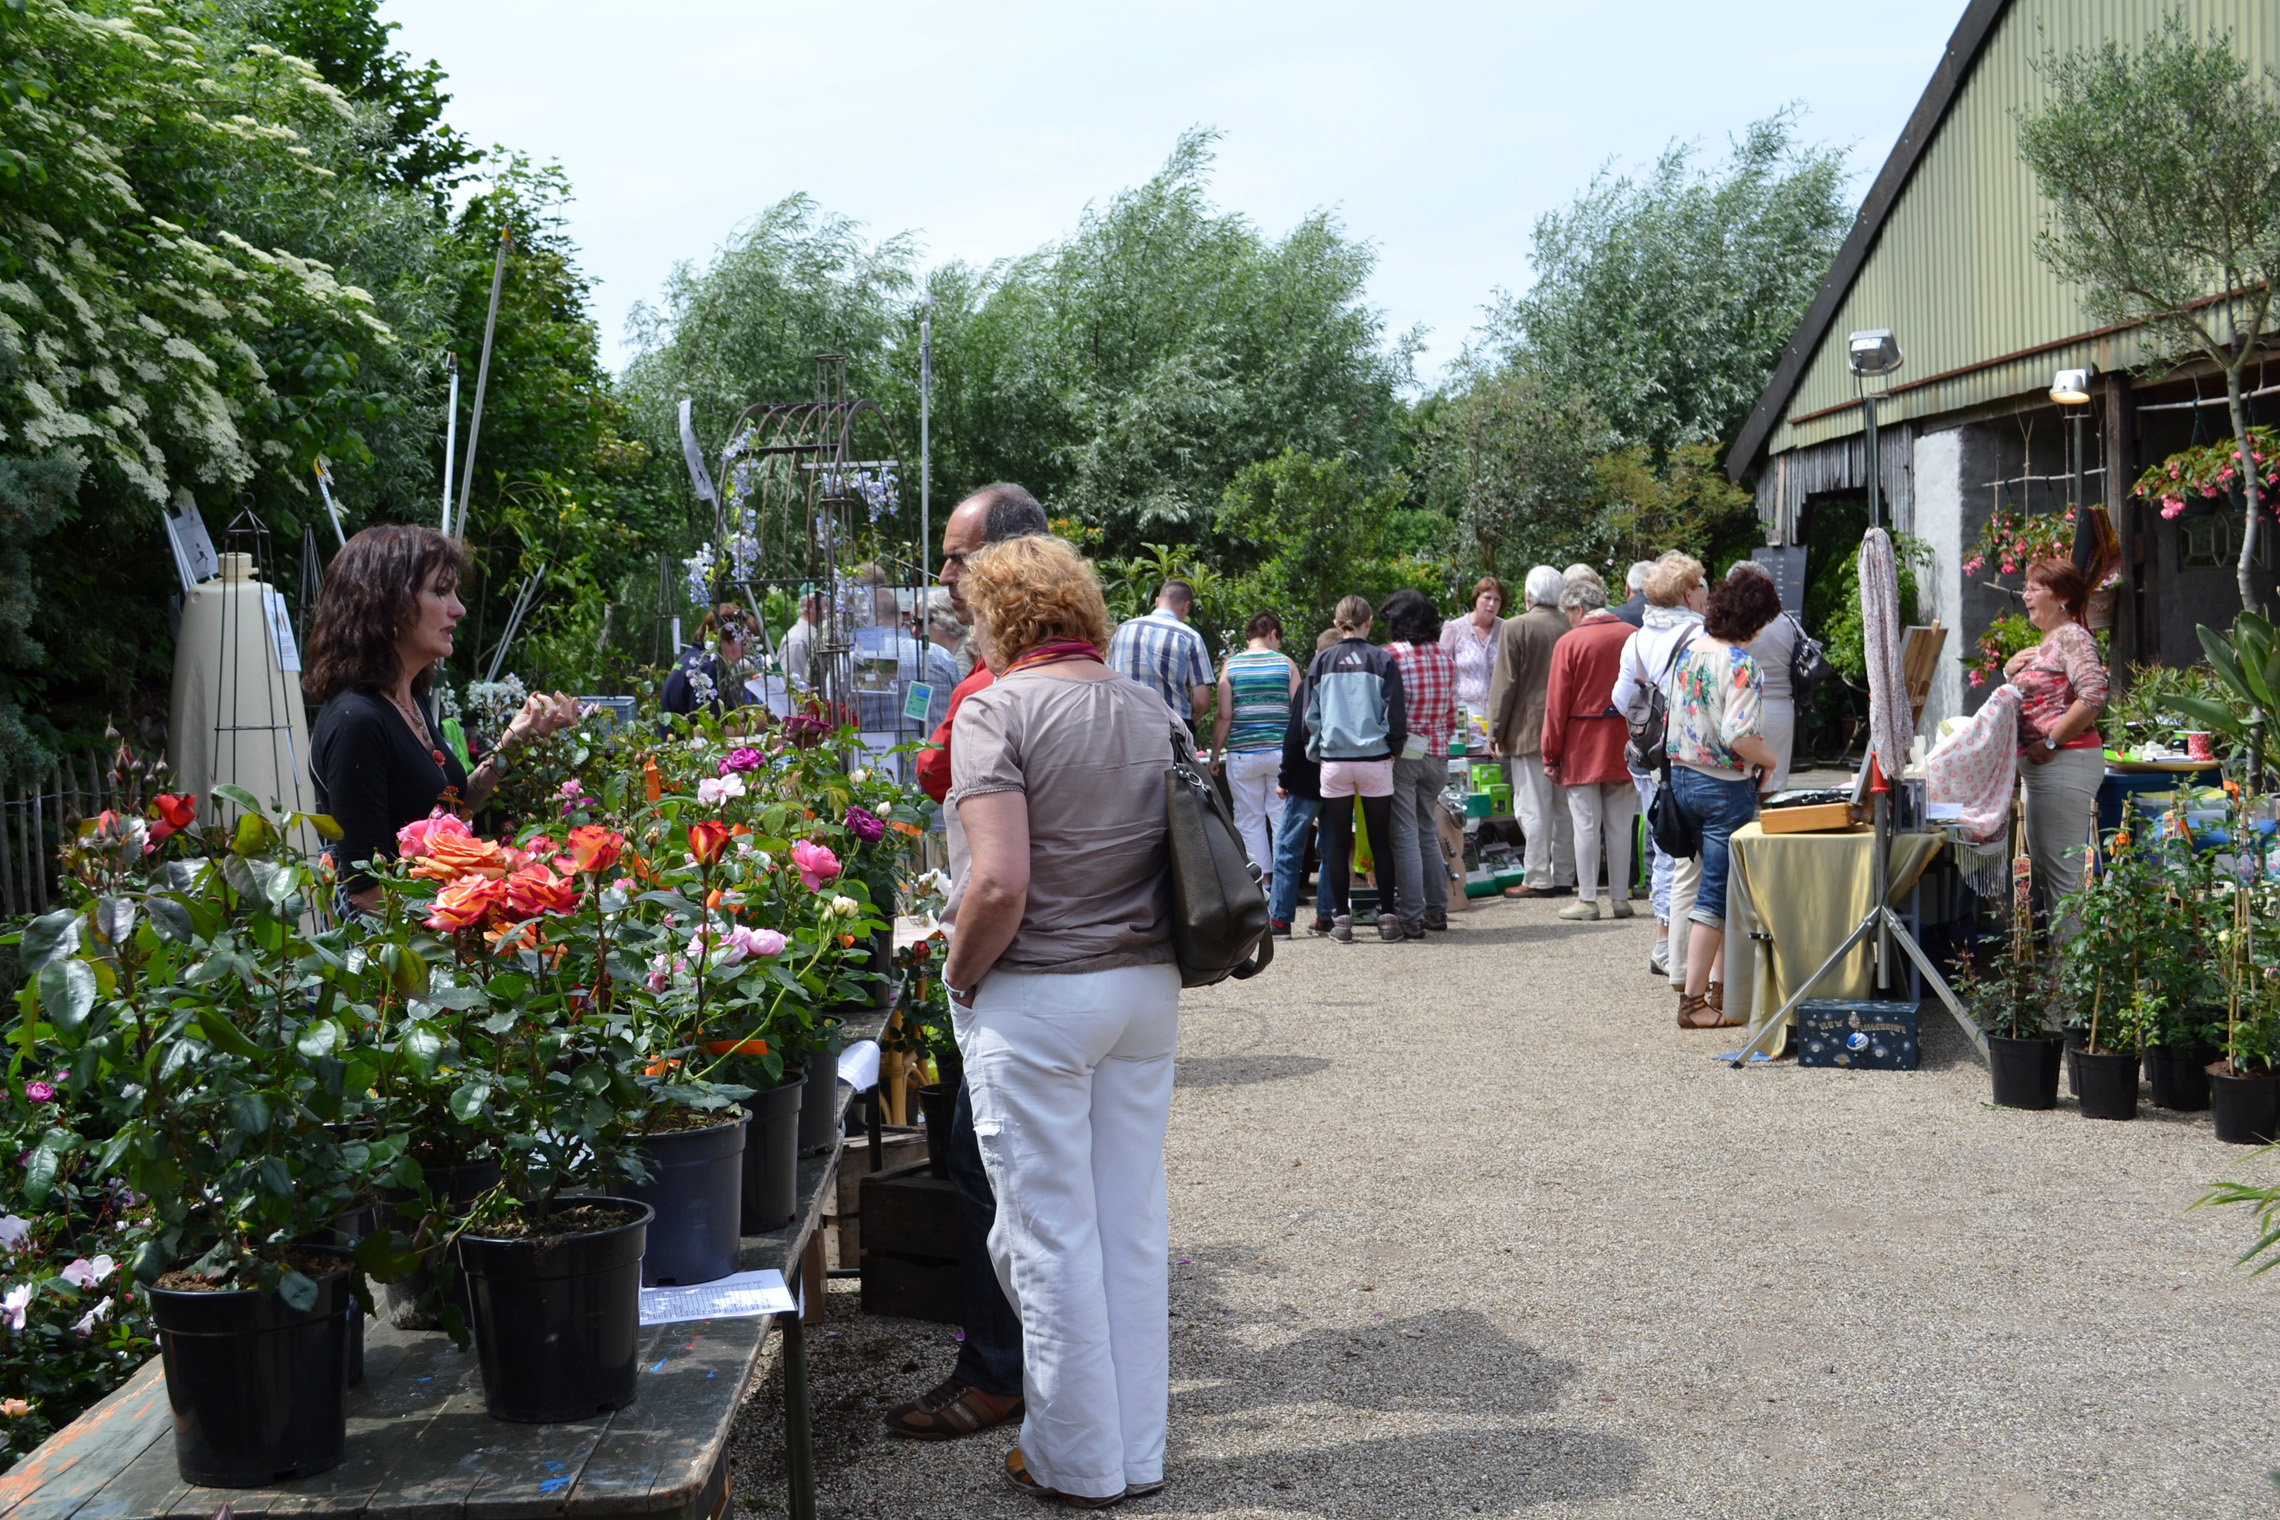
1791, 899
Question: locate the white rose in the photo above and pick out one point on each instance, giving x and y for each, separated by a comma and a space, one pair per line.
846, 907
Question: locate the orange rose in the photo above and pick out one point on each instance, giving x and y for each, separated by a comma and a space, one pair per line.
594, 848
534, 890
466, 903
452, 856
707, 840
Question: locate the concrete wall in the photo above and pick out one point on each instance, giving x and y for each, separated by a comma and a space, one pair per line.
1940, 499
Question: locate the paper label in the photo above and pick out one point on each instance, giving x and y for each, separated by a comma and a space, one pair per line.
917, 700
740, 1295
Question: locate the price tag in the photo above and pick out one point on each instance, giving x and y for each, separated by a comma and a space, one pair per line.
917, 700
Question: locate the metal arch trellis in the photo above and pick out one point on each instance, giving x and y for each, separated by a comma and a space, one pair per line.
807, 490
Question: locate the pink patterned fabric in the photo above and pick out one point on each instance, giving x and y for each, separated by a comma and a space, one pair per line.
1977, 767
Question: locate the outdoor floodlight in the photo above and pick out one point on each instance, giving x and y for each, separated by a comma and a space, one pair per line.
2071, 388
1872, 353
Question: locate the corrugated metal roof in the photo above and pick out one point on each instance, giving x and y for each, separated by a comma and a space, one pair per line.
1951, 267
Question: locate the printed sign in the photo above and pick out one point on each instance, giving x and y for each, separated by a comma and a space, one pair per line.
917, 700
1788, 570
281, 641
194, 556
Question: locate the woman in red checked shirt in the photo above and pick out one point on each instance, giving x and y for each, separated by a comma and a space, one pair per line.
2062, 757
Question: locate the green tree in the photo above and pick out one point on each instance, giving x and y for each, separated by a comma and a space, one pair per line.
1665, 300
2163, 168
1509, 458
1686, 504
1314, 530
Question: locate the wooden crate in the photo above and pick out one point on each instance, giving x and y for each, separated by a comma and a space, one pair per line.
843, 1207
910, 1245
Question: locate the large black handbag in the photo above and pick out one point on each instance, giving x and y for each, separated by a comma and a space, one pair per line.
1219, 911
1673, 829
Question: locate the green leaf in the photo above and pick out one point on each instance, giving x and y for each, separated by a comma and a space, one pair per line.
318, 1040
249, 1113
467, 1103
591, 1078
450, 997
251, 835
424, 1046
49, 936
275, 1175
218, 1030
238, 795
39, 1174
67, 994
327, 829
149, 1262
2212, 715
299, 1292
170, 917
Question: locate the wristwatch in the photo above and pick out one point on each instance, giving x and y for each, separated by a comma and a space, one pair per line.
962, 996
2050, 741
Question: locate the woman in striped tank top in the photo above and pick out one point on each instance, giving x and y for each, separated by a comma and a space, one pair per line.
1255, 688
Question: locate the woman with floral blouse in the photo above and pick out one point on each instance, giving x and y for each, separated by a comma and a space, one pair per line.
1718, 761
2062, 758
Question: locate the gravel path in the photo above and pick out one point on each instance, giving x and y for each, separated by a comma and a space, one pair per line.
1469, 1227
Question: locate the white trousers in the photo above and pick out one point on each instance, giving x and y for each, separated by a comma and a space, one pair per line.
1544, 825
1071, 1082
1603, 812
1251, 777
1685, 880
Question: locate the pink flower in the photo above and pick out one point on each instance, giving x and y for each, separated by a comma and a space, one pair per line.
40, 1092
1979, 678
816, 864
571, 788
86, 1274
866, 825
12, 1307
742, 758
414, 840
756, 941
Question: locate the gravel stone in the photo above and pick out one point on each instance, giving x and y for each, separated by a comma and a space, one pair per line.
1467, 1226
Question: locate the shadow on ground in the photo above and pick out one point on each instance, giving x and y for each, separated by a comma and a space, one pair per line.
1241, 1071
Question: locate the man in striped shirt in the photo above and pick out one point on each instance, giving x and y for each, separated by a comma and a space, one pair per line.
1164, 654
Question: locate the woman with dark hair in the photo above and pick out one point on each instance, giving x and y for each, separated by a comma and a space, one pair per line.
2062, 684
1255, 688
376, 757
1718, 759
1429, 680
705, 674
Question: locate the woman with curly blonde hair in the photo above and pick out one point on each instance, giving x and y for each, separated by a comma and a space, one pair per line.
1065, 997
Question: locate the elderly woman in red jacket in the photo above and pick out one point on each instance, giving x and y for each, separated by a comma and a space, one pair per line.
1583, 746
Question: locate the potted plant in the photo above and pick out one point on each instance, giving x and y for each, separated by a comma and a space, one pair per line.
921, 1029
2109, 1059
208, 1030
2006, 988
548, 1081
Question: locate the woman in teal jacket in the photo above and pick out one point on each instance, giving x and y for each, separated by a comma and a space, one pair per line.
1355, 724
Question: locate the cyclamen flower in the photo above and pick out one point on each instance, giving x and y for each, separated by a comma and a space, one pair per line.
40, 1092
86, 1274
742, 758
715, 790
816, 864
866, 825
12, 1307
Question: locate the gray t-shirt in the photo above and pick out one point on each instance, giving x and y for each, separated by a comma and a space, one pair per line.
1090, 756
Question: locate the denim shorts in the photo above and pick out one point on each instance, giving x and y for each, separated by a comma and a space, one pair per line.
1717, 808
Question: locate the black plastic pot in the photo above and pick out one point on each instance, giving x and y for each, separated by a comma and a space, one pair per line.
938, 1104
558, 1321
819, 1106
772, 1156
449, 1185
348, 1229
2025, 1070
2109, 1083
2076, 1036
256, 1385
2246, 1109
696, 1186
2179, 1077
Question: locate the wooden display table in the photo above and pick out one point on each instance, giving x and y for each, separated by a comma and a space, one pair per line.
420, 1445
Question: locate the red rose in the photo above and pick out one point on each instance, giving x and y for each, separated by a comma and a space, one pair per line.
707, 840
594, 848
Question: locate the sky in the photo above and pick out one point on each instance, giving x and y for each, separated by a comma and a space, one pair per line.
1439, 134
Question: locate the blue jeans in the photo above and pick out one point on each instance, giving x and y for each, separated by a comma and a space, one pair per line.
1717, 808
989, 1358
1291, 839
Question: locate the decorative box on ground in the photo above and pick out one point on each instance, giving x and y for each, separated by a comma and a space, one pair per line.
910, 1245
1859, 1034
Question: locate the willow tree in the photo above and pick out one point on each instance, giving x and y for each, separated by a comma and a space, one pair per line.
2163, 169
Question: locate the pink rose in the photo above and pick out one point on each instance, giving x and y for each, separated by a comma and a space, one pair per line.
414, 840
816, 864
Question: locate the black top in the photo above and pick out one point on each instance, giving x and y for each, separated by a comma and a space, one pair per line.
1300, 776
374, 777
1633, 611
698, 672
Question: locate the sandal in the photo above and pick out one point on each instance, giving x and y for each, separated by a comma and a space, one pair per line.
1698, 1012
1017, 1473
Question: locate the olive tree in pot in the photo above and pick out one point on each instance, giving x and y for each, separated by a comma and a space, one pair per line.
214, 1040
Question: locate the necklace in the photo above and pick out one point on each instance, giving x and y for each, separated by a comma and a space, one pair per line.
412, 717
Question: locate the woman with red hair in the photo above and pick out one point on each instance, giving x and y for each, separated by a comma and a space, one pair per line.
2061, 684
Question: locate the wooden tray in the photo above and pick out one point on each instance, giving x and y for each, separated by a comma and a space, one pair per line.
1814, 818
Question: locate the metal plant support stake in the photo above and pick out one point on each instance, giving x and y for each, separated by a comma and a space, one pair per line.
482, 382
